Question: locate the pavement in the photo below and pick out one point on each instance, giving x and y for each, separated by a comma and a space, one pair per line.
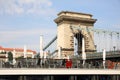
58, 71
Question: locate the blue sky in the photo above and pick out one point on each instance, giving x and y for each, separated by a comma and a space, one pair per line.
23, 21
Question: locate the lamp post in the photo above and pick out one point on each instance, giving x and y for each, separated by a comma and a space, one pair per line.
114, 48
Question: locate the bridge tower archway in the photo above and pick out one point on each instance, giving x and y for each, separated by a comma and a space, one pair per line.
78, 42
66, 34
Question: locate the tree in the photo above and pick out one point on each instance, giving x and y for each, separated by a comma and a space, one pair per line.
10, 56
2, 52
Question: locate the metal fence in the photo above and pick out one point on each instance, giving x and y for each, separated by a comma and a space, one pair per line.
59, 63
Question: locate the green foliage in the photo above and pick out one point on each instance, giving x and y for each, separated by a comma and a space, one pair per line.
37, 55
21, 57
2, 52
10, 56
29, 58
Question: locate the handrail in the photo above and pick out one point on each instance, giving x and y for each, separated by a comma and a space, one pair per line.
50, 43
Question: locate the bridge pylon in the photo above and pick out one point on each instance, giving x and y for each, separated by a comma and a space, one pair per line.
66, 34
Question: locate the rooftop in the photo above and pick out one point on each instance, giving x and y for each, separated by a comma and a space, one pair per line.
16, 49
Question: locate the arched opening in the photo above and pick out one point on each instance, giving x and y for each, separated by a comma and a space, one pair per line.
78, 42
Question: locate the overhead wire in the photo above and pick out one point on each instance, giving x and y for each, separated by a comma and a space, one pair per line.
111, 45
117, 41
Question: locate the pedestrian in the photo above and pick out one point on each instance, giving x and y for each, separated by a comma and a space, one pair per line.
63, 62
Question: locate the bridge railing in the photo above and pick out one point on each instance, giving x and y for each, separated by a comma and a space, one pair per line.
61, 63
53, 64
53, 40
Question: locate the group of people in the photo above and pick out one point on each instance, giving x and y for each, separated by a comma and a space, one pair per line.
67, 63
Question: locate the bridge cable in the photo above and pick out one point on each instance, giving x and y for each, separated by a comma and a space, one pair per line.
97, 41
118, 42
111, 43
104, 40
115, 42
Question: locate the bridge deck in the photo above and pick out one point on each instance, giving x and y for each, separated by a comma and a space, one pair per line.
24, 71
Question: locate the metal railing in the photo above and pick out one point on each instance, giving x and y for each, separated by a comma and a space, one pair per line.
60, 63
50, 43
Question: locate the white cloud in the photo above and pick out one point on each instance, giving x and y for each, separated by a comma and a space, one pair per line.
8, 36
26, 7
18, 38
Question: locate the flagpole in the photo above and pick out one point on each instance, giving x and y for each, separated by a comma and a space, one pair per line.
25, 51
41, 46
41, 50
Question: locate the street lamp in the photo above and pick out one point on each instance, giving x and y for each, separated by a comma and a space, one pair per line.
114, 48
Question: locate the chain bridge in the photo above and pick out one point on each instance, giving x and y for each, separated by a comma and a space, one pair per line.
78, 42
72, 27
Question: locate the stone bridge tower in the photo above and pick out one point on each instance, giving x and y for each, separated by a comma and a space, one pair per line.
66, 35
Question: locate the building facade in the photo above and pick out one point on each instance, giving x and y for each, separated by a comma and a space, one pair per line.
17, 52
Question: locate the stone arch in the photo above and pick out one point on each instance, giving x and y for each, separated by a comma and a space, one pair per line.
79, 37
